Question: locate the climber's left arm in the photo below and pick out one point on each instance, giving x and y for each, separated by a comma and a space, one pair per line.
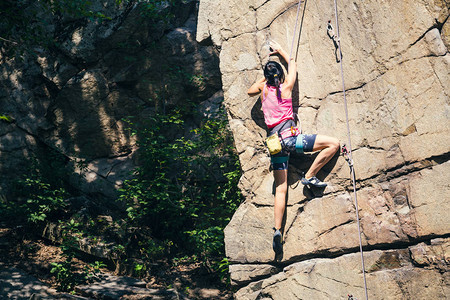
257, 87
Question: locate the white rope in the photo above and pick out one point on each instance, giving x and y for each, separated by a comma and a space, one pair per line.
299, 125
295, 30
352, 171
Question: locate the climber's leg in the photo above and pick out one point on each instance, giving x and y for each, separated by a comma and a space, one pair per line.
280, 195
328, 146
280, 162
280, 206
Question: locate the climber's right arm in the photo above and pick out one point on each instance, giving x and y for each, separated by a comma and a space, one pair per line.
277, 49
292, 74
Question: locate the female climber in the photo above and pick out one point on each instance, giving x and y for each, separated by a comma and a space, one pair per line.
275, 90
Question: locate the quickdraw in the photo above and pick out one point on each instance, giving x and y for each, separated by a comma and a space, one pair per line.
335, 38
345, 154
330, 32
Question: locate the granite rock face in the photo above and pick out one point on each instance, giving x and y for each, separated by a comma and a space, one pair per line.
391, 274
396, 70
73, 100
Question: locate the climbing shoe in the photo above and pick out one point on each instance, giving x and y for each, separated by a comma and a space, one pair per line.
277, 243
313, 181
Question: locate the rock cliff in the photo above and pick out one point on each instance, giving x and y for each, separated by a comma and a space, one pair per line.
396, 66
72, 98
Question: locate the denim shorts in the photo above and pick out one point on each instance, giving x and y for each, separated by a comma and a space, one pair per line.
305, 144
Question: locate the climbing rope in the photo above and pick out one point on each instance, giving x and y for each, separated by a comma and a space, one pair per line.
348, 152
299, 125
295, 30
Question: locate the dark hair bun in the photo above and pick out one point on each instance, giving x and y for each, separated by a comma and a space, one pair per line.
274, 74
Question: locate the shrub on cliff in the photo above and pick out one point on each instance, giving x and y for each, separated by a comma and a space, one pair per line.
185, 190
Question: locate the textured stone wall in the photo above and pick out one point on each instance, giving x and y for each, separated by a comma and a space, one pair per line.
72, 99
396, 64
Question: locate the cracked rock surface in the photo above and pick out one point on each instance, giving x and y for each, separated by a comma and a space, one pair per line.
74, 100
396, 70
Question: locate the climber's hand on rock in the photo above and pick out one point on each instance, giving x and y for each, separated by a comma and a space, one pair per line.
274, 47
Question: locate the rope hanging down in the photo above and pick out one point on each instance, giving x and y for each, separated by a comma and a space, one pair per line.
299, 125
348, 153
295, 30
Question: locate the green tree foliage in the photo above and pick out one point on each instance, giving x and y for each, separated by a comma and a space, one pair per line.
66, 276
40, 195
178, 202
42, 200
185, 189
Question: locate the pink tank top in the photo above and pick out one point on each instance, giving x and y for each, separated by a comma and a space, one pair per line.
275, 110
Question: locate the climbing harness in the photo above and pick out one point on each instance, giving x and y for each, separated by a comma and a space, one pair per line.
293, 131
274, 141
348, 152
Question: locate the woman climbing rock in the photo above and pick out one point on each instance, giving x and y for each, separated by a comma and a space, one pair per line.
275, 90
